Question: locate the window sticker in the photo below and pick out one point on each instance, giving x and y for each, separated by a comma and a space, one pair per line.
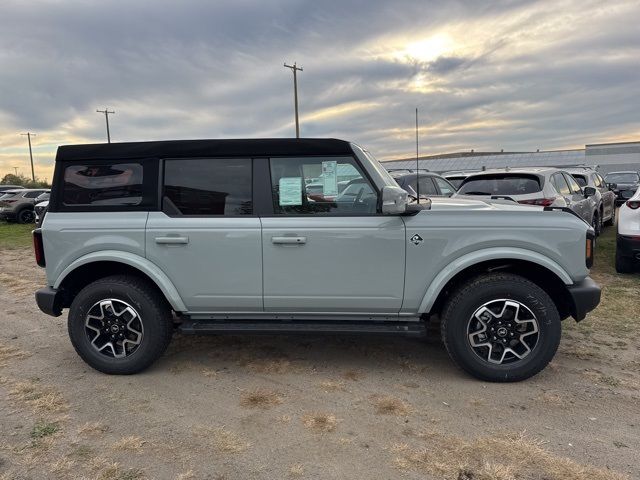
330, 178
290, 191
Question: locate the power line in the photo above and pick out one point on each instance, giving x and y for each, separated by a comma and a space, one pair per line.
106, 118
294, 68
29, 135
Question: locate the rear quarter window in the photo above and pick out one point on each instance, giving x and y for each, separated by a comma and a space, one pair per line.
501, 184
115, 184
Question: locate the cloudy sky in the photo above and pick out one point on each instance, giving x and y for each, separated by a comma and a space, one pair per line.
517, 75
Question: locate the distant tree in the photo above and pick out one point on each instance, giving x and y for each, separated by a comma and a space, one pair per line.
21, 180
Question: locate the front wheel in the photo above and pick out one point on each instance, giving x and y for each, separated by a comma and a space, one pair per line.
596, 223
119, 324
501, 327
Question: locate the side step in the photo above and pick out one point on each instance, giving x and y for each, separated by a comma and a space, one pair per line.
204, 327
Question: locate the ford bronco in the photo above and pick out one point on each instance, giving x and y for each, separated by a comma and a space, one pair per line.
221, 236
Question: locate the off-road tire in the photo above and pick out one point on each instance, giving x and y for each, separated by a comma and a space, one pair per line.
154, 312
596, 223
466, 299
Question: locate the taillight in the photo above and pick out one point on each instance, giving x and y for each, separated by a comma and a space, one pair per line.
38, 247
633, 204
543, 202
10, 201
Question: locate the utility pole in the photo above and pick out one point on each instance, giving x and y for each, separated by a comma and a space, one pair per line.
106, 118
294, 68
16, 170
29, 135
417, 162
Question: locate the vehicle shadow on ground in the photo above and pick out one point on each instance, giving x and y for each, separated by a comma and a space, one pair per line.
309, 352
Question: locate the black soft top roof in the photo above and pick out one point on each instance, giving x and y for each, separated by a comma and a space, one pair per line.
256, 147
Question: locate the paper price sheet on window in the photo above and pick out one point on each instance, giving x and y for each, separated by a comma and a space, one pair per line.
290, 189
330, 178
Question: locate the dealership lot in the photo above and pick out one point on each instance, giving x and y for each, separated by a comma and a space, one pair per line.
315, 406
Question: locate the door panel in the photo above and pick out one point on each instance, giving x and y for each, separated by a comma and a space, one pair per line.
215, 263
344, 264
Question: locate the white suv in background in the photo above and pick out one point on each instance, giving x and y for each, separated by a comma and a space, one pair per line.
628, 238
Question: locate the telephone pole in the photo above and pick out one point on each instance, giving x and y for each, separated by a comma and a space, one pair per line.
417, 161
16, 169
106, 118
29, 135
294, 68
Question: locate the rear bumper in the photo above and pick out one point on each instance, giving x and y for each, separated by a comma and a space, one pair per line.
7, 216
628, 247
585, 296
49, 301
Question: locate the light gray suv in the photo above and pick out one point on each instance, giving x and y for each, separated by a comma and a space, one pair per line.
544, 186
220, 236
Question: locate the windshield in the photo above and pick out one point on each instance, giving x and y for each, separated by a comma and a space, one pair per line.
500, 184
386, 176
623, 177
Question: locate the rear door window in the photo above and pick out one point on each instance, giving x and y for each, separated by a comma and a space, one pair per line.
427, 187
208, 186
560, 184
115, 184
573, 185
501, 184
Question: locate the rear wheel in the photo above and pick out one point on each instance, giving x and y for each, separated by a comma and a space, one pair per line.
25, 216
119, 324
501, 327
612, 220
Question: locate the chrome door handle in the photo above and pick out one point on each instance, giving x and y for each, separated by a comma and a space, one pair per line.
288, 240
172, 240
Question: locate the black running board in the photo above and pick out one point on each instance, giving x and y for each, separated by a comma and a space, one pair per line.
204, 327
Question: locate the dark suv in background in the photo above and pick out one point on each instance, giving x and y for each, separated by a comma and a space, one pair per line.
623, 184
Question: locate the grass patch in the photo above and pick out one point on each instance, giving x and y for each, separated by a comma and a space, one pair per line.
129, 444
8, 353
40, 398
44, 429
390, 406
320, 422
492, 458
225, 441
260, 398
14, 235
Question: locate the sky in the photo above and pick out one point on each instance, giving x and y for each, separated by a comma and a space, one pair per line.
513, 75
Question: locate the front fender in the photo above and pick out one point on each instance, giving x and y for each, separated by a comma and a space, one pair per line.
473, 258
135, 261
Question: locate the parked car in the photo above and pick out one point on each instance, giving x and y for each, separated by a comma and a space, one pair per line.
428, 184
456, 178
4, 188
624, 184
628, 235
219, 236
40, 208
605, 198
17, 205
547, 187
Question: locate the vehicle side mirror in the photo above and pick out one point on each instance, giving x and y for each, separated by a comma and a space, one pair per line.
589, 192
394, 200
612, 186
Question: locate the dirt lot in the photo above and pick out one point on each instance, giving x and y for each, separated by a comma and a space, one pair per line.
319, 407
